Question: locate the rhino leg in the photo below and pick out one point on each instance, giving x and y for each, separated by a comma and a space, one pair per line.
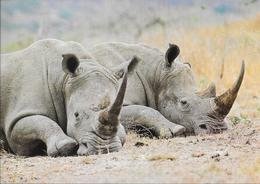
30, 132
136, 116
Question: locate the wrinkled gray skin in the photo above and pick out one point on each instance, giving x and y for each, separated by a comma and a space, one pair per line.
162, 95
59, 101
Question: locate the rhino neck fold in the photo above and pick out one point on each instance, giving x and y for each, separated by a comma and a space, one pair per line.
64, 82
150, 81
157, 82
149, 93
56, 81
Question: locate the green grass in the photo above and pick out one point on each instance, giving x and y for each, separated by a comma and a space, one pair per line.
239, 119
17, 45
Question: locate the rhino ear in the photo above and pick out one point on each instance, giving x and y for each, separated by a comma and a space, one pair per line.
128, 66
70, 63
171, 54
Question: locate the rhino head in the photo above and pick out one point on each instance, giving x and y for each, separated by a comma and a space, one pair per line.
93, 103
179, 102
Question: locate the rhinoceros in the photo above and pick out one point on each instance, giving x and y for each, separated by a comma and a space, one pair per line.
55, 98
161, 95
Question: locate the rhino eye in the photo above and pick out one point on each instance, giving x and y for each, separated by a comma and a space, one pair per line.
184, 105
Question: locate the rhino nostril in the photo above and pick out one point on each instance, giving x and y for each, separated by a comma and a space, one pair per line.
76, 114
183, 102
82, 150
203, 126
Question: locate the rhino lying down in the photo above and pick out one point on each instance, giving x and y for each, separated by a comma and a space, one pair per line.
47, 93
161, 95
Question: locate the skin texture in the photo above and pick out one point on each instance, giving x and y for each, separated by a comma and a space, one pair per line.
53, 100
161, 95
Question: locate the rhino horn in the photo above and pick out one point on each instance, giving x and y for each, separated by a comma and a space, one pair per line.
111, 114
209, 92
224, 102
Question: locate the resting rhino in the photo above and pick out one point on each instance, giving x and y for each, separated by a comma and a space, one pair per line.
162, 96
54, 88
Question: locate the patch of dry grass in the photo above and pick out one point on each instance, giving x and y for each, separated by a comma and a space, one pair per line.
161, 157
197, 154
87, 160
219, 50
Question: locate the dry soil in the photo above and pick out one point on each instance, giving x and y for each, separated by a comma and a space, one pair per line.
233, 156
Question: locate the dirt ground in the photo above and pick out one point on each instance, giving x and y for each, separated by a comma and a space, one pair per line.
233, 156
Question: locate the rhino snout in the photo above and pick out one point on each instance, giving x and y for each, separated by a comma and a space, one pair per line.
98, 145
83, 150
211, 127
86, 149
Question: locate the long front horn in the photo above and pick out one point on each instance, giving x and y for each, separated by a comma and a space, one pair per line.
110, 116
225, 101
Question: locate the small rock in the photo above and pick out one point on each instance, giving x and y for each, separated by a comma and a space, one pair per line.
220, 153
215, 155
248, 142
108, 167
139, 144
251, 132
229, 172
225, 153
197, 154
254, 97
115, 158
217, 159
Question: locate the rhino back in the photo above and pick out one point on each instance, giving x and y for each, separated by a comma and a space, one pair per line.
31, 82
139, 88
114, 53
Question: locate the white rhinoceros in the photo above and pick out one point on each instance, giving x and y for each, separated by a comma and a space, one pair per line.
55, 96
161, 96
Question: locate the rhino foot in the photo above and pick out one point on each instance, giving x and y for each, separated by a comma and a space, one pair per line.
178, 130
171, 131
64, 146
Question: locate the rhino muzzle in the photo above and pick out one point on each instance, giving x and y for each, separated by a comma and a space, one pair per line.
104, 139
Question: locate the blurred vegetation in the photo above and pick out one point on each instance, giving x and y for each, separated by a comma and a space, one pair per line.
17, 45
20, 6
239, 119
214, 36
216, 52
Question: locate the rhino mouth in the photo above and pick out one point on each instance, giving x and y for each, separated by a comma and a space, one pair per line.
211, 124
213, 128
94, 144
